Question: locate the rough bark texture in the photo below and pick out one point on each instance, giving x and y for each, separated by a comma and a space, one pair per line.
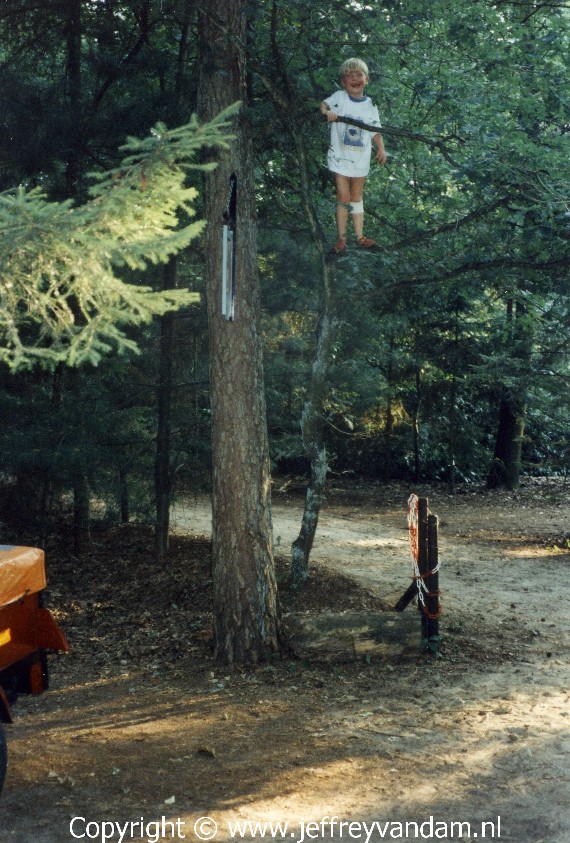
244, 586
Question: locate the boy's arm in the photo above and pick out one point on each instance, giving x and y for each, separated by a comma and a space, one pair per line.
324, 108
380, 156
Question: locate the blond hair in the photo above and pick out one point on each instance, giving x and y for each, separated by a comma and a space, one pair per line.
353, 64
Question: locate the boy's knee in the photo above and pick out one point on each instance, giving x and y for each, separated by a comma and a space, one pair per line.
357, 207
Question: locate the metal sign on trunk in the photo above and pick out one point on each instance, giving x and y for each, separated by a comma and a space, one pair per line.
229, 252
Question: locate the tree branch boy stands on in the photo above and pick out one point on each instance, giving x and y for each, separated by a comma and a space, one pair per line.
349, 152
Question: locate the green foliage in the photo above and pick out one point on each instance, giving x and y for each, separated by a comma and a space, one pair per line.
62, 300
471, 215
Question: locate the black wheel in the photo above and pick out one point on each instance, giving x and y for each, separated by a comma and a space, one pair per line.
3, 756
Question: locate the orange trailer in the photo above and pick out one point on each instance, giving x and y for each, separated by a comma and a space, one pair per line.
27, 630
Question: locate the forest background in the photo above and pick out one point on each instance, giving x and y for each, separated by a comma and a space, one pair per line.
449, 358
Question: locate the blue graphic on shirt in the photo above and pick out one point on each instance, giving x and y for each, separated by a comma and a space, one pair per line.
353, 136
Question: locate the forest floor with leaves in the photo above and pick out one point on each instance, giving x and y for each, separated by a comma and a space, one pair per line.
142, 737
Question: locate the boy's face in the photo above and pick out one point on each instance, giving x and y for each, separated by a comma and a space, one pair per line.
354, 82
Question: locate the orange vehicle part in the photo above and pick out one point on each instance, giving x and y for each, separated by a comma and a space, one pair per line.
27, 629
22, 571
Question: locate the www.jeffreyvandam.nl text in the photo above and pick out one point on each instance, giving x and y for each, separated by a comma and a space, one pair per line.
206, 829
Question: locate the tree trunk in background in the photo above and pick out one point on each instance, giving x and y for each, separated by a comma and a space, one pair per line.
452, 435
162, 467
312, 414
416, 425
389, 424
80, 483
505, 467
244, 585
311, 429
183, 45
73, 92
81, 507
124, 499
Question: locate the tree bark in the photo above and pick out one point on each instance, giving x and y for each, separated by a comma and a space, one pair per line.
312, 415
311, 429
244, 585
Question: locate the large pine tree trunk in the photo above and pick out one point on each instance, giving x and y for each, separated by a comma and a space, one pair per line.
244, 585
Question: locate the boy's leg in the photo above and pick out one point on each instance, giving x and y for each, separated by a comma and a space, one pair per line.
356, 191
342, 206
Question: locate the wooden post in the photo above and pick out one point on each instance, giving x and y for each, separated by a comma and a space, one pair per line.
424, 543
423, 561
407, 597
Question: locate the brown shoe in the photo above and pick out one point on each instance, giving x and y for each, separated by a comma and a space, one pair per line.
340, 246
365, 243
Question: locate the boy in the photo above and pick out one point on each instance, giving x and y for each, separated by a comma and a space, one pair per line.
349, 153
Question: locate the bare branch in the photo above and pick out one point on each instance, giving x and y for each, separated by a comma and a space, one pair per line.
433, 143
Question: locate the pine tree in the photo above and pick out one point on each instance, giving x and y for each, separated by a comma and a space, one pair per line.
243, 574
63, 297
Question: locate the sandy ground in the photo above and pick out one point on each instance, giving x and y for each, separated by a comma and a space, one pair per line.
473, 746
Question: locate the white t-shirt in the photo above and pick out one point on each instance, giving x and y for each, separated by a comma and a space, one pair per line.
349, 152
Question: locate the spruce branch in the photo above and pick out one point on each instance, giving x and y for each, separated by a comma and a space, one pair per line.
61, 295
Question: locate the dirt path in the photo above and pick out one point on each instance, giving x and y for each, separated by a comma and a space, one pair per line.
481, 736
494, 573
487, 743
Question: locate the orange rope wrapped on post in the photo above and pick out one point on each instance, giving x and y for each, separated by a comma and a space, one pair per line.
423, 531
